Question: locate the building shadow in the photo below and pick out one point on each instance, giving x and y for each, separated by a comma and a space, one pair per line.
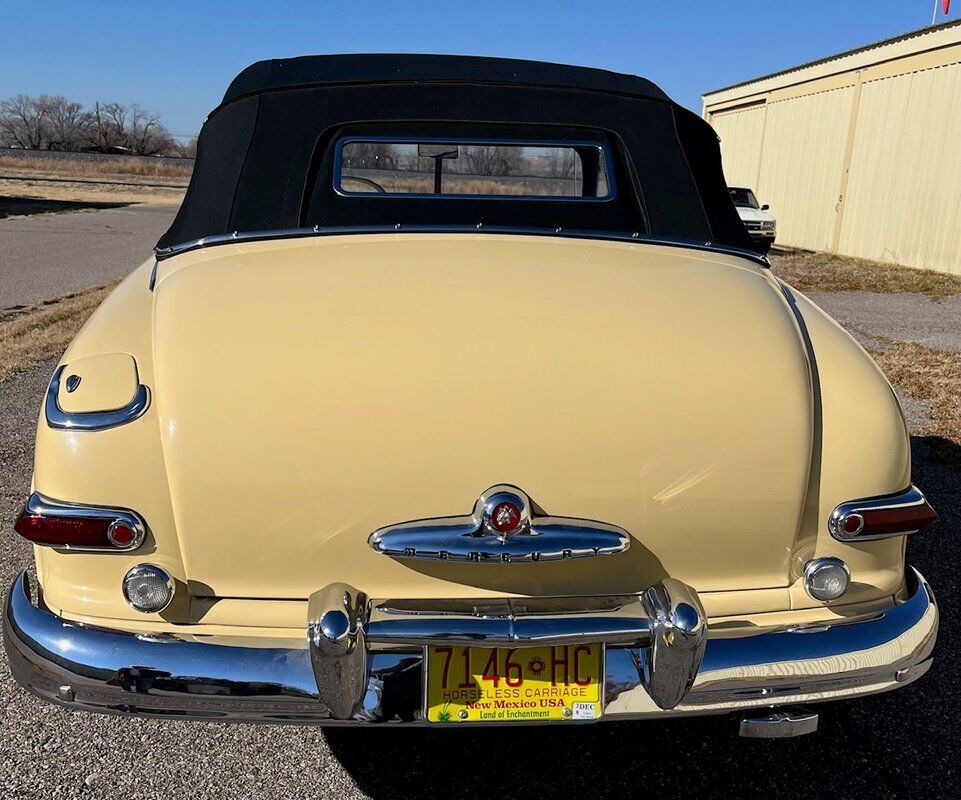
27, 206
899, 744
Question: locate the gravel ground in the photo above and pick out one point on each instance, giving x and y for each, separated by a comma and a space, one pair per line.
47, 255
907, 317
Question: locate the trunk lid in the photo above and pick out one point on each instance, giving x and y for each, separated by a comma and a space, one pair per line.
312, 391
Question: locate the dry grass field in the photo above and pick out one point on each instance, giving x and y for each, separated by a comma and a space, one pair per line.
823, 272
119, 181
11, 192
361, 180
119, 169
33, 335
931, 375
921, 372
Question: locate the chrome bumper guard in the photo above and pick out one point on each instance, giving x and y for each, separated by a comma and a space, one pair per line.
362, 660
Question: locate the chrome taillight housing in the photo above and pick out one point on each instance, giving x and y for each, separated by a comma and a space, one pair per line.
71, 526
880, 517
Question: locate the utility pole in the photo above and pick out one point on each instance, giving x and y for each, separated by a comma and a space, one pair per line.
945, 7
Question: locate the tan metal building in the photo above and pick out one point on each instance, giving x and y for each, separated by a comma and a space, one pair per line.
859, 153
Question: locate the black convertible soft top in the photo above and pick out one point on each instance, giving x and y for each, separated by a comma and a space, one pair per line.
265, 156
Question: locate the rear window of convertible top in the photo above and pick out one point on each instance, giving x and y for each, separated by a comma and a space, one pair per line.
472, 168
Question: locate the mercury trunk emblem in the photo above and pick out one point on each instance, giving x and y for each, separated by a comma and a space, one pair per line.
505, 513
505, 518
503, 528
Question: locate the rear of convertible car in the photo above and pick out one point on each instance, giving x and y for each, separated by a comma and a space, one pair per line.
283, 411
375, 439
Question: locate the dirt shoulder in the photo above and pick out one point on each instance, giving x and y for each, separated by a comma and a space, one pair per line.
81, 191
29, 336
933, 376
823, 272
908, 320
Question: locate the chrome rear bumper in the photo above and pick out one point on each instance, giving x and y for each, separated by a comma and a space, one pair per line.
96, 669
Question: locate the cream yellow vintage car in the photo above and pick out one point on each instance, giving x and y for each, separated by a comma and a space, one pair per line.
456, 395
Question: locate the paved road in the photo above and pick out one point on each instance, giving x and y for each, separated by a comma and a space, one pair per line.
48, 255
905, 316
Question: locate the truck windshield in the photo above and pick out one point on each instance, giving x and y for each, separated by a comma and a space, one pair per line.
744, 198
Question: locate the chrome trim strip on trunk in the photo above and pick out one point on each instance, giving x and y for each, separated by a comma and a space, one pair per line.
110, 671
318, 230
619, 621
91, 420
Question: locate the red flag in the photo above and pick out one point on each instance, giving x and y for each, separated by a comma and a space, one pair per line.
945, 5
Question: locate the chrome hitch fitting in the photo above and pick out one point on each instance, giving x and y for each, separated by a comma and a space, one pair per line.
678, 639
336, 616
778, 723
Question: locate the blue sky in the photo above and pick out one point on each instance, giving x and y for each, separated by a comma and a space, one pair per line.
176, 58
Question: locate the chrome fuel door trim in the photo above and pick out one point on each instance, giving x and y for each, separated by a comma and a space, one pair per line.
91, 420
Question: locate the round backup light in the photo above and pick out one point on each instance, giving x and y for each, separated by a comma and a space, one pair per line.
826, 578
148, 588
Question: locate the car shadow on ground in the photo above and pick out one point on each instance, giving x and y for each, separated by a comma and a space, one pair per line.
25, 206
900, 744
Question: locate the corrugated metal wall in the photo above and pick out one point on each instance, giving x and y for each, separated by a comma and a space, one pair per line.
860, 156
801, 165
746, 127
904, 189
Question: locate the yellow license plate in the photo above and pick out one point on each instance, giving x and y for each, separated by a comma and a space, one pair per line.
505, 684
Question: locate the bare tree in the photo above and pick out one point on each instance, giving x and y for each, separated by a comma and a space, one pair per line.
65, 123
372, 155
114, 126
55, 123
186, 149
492, 160
22, 121
147, 135
561, 163
107, 129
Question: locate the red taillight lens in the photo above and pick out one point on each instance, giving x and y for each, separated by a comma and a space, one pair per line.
120, 534
69, 531
71, 525
894, 521
880, 517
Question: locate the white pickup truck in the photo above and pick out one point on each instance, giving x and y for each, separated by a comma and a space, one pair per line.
760, 224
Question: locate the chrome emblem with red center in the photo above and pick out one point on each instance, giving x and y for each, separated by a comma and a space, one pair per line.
505, 517
505, 512
505, 527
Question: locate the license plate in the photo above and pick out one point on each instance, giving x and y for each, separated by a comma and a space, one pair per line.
505, 684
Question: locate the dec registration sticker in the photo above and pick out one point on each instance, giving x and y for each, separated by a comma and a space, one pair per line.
505, 684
